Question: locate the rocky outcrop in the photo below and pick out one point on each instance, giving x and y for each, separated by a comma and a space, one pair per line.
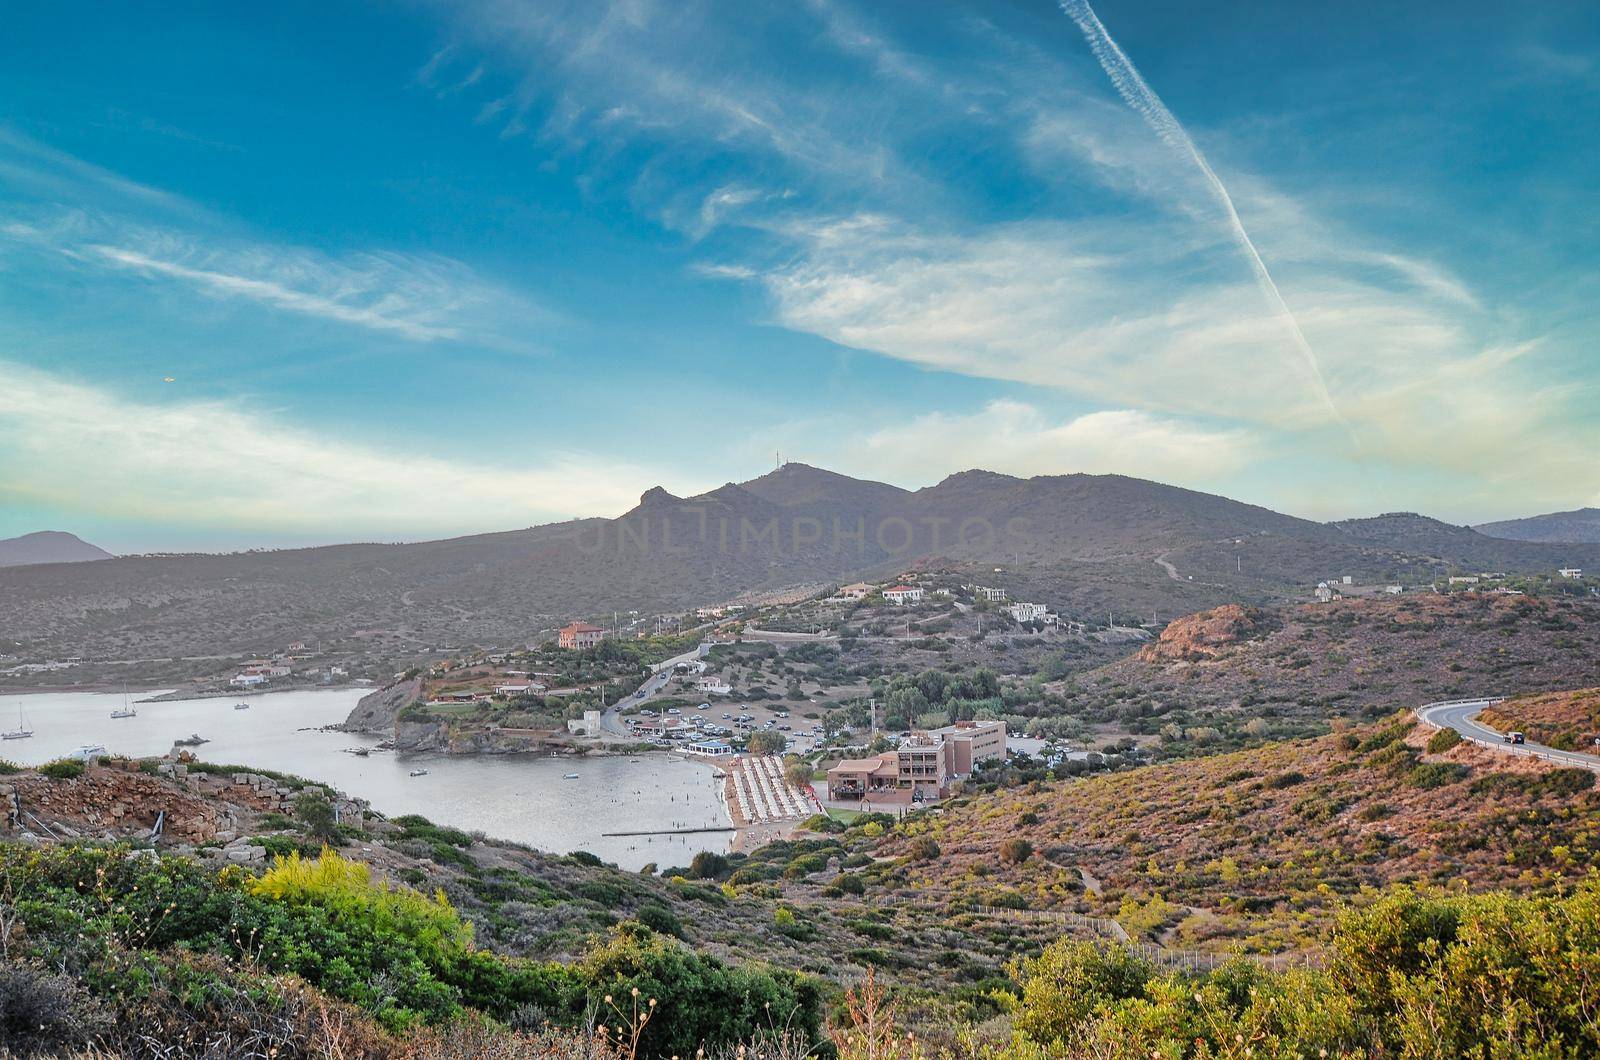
438, 735
122, 799
1207, 635
376, 712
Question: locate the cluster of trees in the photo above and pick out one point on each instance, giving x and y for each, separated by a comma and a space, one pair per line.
1410, 975
937, 696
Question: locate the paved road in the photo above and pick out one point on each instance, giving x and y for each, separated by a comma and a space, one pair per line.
1461, 715
611, 723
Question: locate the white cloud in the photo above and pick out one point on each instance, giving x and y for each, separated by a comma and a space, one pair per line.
421, 298
212, 464
1017, 438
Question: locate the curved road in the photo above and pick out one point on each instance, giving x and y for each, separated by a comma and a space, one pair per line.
611, 723
1461, 715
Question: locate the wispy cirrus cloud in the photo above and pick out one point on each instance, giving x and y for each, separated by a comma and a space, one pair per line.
1148, 105
420, 298
224, 465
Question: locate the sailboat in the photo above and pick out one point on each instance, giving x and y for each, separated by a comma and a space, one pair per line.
23, 729
126, 710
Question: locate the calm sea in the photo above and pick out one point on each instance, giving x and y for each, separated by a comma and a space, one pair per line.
524, 798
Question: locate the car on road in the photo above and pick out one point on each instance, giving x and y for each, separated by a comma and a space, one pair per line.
1514, 737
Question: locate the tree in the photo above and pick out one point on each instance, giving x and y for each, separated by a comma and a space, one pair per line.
797, 773
707, 865
765, 742
317, 813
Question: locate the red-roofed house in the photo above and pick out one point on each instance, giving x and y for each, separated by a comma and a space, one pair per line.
580, 635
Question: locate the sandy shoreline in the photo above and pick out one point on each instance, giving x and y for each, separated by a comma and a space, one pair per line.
748, 835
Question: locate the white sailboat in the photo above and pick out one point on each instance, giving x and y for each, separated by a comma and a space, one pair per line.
126, 710
23, 729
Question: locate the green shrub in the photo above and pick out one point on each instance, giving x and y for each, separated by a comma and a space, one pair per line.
1436, 774
1442, 741
1015, 850
63, 769
660, 919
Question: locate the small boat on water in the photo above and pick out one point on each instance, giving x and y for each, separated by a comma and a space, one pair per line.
359, 752
192, 740
419, 772
241, 706
23, 729
126, 710
569, 776
88, 751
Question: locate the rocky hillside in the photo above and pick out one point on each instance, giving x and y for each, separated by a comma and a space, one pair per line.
1359, 655
1260, 847
520, 902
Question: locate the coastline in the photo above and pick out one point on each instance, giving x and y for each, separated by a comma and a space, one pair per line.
747, 834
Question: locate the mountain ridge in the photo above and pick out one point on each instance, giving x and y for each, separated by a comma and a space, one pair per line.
1083, 543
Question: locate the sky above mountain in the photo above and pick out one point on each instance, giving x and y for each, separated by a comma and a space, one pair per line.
302, 272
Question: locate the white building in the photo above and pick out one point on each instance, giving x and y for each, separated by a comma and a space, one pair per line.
1571, 572
994, 596
1024, 612
588, 725
1326, 592
248, 680
900, 595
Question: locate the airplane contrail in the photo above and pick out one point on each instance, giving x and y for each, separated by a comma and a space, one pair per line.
1142, 98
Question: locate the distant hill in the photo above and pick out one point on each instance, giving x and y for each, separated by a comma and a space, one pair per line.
1086, 544
1581, 526
1461, 546
48, 546
1354, 657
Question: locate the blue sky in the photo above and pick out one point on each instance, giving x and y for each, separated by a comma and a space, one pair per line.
278, 274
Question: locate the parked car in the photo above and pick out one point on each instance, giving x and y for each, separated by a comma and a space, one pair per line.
674, 710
